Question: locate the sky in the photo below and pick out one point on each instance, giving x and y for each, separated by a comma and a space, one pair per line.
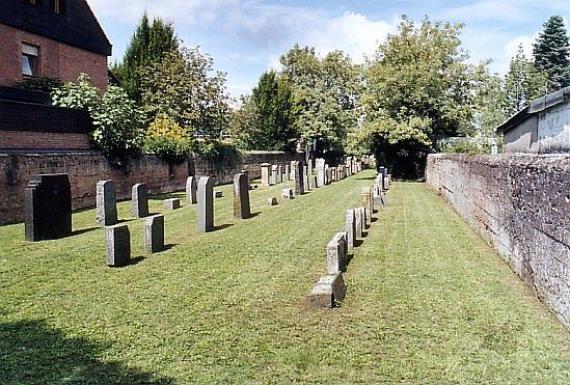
247, 37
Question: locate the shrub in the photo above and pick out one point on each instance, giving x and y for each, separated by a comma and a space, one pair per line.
220, 154
168, 140
44, 84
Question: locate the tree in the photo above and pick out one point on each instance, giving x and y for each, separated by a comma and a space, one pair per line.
417, 92
150, 43
325, 95
523, 83
489, 106
552, 53
183, 87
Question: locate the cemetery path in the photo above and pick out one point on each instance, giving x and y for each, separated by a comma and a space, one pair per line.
428, 301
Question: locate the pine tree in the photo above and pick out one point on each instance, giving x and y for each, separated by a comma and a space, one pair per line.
149, 44
523, 83
552, 53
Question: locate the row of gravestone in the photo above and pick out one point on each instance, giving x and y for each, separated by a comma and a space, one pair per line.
331, 289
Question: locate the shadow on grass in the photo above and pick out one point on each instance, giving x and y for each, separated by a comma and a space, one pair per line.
162, 197
222, 227
358, 243
169, 246
136, 260
373, 220
253, 215
34, 353
365, 178
85, 230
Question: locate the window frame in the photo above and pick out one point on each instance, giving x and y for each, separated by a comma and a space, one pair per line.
33, 59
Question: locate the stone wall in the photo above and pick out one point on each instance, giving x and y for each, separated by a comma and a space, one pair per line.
86, 168
520, 205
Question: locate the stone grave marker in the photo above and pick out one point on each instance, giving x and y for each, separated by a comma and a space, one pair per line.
299, 179
106, 212
265, 174
329, 290
172, 204
139, 201
241, 197
118, 245
272, 201
287, 193
191, 188
154, 234
205, 221
351, 228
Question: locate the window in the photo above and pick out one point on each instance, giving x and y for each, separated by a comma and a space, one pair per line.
58, 6
30, 63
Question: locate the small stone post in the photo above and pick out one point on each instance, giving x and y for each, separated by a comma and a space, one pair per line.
118, 245
241, 197
154, 234
139, 201
106, 203
265, 175
205, 221
299, 180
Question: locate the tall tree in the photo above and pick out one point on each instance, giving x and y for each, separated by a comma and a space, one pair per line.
523, 83
150, 43
325, 95
489, 101
552, 53
272, 102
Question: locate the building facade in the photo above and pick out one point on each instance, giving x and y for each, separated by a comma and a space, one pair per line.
53, 39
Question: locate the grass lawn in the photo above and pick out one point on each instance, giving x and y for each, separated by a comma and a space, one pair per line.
428, 301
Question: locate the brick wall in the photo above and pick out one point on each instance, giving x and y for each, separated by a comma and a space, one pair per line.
519, 204
86, 168
57, 60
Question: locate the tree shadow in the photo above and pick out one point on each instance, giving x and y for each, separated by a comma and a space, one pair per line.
34, 353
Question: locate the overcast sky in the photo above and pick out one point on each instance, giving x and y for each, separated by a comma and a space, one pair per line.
246, 37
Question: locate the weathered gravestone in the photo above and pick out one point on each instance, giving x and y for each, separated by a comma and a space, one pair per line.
272, 201
241, 197
280, 174
205, 221
299, 179
172, 204
265, 175
118, 239
310, 167
274, 174
359, 223
191, 188
287, 193
337, 254
287, 175
328, 291
367, 201
306, 178
139, 201
106, 212
313, 182
321, 177
154, 234
292, 175
47, 207
367, 217
351, 228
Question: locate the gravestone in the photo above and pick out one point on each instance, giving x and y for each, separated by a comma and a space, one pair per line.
329, 290
292, 175
265, 173
205, 221
154, 234
47, 207
106, 212
172, 204
274, 174
337, 254
272, 201
139, 201
241, 197
310, 166
118, 245
350, 228
367, 201
191, 191
280, 174
299, 179
287, 193
313, 182
359, 223
333, 174
287, 175
306, 178
321, 177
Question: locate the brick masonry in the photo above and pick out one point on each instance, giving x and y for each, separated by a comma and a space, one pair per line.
519, 204
86, 168
56, 59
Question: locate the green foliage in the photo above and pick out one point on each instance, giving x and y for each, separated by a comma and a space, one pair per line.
463, 146
183, 87
168, 140
488, 102
552, 53
523, 83
40, 83
418, 85
325, 95
117, 120
242, 124
269, 111
150, 43
221, 154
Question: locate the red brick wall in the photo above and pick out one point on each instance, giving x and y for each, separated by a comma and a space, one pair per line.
43, 141
86, 168
56, 59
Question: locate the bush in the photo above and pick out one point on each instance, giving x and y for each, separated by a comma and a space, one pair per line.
44, 84
119, 124
168, 140
220, 154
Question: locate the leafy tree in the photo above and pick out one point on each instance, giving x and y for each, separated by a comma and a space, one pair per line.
552, 53
272, 101
150, 43
523, 83
417, 92
488, 103
183, 87
168, 140
325, 95
119, 124
243, 124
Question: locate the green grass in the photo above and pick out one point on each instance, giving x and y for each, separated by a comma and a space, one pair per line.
428, 302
